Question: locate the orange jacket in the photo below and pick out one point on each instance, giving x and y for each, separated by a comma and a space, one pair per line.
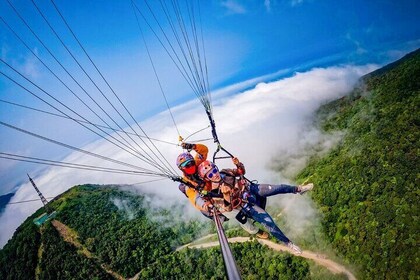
200, 156
192, 194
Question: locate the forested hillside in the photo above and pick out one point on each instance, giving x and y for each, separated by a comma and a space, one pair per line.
113, 227
368, 186
104, 233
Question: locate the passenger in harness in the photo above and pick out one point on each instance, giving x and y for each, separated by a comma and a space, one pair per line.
199, 191
243, 196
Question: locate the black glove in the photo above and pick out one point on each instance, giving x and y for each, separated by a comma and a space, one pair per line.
187, 146
182, 187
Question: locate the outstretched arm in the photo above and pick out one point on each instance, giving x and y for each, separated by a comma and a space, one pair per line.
238, 171
200, 149
202, 152
240, 168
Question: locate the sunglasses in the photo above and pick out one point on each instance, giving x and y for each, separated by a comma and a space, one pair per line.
212, 172
188, 164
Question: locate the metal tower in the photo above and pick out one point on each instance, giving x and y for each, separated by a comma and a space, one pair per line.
43, 199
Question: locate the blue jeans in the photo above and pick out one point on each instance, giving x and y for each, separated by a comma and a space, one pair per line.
259, 215
256, 211
260, 192
266, 190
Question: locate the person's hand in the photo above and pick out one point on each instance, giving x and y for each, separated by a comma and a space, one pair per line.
187, 146
235, 160
208, 206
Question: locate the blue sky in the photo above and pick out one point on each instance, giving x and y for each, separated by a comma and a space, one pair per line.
244, 40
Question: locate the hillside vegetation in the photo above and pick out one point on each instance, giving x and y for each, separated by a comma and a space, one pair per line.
368, 186
107, 233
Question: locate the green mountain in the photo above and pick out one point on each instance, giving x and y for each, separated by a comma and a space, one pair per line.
102, 232
368, 186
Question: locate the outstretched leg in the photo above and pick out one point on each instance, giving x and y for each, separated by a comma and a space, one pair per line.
248, 226
259, 215
266, 190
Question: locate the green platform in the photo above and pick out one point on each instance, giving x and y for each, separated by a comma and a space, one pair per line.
43, 218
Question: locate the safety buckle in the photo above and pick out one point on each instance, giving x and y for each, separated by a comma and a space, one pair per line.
203, 193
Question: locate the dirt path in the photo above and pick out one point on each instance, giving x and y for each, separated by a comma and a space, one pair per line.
317, 258
196, 241
71, 237
38, 265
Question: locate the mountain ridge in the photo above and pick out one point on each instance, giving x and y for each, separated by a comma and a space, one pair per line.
368, 185
92, 238
365, 189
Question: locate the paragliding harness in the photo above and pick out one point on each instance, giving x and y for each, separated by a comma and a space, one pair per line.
198, 185
248, 198
240, 196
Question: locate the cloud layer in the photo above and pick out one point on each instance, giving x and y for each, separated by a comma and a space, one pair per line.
266, 127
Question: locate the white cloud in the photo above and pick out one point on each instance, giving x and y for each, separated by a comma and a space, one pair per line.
399, 51
235, 88
267, 5
296, 2
30, 67
359, 49
28, 64
7, 165
4, 51
257, 125
233, 7
124, 206
236, 7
